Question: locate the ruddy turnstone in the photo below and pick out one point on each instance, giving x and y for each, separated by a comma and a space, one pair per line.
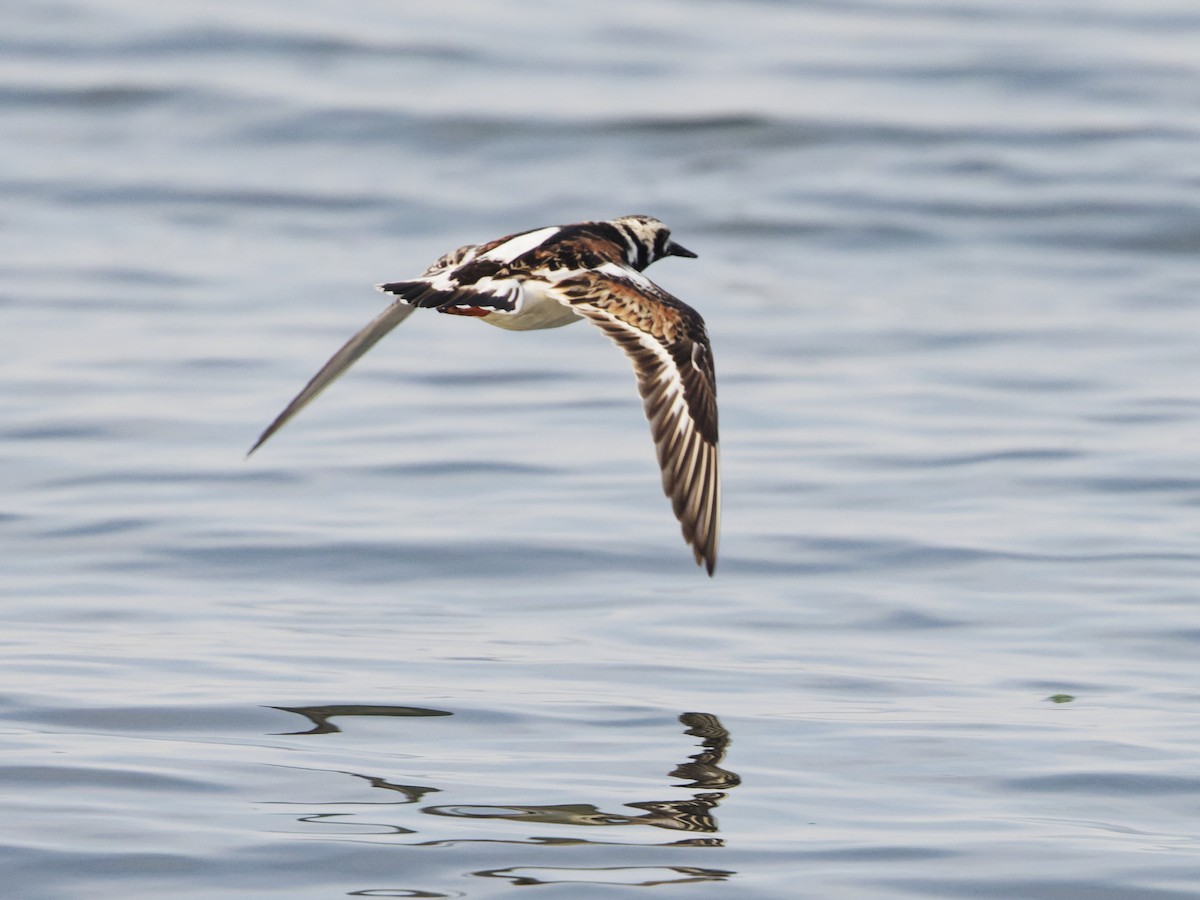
557, 275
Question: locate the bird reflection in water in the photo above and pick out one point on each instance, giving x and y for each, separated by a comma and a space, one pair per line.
701, 771
322, 716
626, 876
692, 814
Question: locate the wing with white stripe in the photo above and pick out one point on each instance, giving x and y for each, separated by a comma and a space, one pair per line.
667, 343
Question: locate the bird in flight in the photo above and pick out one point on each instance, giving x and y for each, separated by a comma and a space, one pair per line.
557, 275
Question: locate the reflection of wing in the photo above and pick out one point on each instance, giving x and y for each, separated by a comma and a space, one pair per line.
703, 768
666, 341
339, 363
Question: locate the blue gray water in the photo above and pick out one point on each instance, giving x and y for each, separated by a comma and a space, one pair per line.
440, 637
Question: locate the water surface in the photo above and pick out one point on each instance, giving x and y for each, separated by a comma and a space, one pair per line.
440, 637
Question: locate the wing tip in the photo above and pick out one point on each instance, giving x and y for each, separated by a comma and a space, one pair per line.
264, 437
705, 551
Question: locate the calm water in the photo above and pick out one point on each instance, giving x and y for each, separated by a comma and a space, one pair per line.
441, 638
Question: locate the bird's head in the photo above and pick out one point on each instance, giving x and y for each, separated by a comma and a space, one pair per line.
647, 240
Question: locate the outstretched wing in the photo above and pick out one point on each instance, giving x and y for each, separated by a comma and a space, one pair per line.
339, 363
666, 341
441, 285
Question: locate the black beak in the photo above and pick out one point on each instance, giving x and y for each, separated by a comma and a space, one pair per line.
674, 249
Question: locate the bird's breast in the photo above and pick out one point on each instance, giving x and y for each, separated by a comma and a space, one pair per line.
535, 310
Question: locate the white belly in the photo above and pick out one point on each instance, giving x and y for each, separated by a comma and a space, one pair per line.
536, 311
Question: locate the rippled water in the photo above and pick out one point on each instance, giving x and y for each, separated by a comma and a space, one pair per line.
441, 638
